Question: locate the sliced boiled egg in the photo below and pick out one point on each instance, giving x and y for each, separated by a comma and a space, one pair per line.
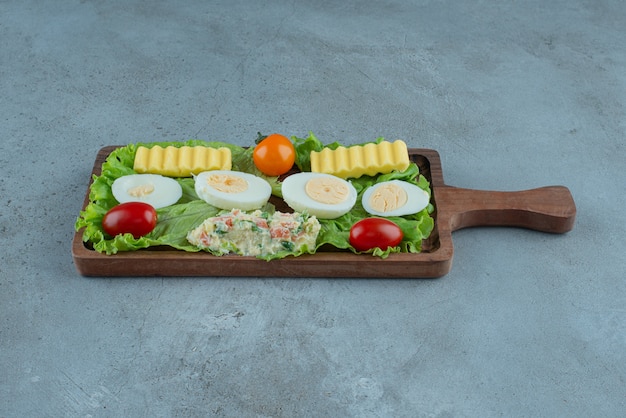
322, 195
394, 198
154, 189
227, 189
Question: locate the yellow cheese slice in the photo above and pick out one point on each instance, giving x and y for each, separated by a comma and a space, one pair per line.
369, 159
181, 161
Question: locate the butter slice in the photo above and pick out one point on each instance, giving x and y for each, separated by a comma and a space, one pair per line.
181, 161
356, 161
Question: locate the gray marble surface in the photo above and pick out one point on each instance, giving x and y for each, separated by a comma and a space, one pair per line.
513, 95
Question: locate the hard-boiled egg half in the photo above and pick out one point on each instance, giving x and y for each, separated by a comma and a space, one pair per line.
394, 198
154, 189
227, 189
322, 195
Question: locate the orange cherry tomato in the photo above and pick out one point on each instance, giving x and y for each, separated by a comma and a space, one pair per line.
274, 155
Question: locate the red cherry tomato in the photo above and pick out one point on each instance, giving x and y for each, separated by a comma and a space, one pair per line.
274, 155
137, 218
370, 233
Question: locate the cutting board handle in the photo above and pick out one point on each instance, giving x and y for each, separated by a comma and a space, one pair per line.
548, 209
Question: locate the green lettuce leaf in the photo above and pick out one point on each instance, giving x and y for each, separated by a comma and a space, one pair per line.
174, 222
336, 232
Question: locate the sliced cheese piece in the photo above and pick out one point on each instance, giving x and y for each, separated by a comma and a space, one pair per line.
182, 161
356, 161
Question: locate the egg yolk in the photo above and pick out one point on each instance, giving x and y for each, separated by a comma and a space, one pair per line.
227, 184
141, 190
388, 197
327, 190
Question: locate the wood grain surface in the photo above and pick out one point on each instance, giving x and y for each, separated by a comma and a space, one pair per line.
549, 209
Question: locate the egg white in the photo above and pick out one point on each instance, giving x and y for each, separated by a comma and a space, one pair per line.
294, 194
255, 196
166, 192
417, 199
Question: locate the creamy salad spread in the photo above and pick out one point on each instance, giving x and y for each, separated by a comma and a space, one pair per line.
256, 234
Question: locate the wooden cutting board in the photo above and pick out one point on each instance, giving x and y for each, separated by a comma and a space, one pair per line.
548, 209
